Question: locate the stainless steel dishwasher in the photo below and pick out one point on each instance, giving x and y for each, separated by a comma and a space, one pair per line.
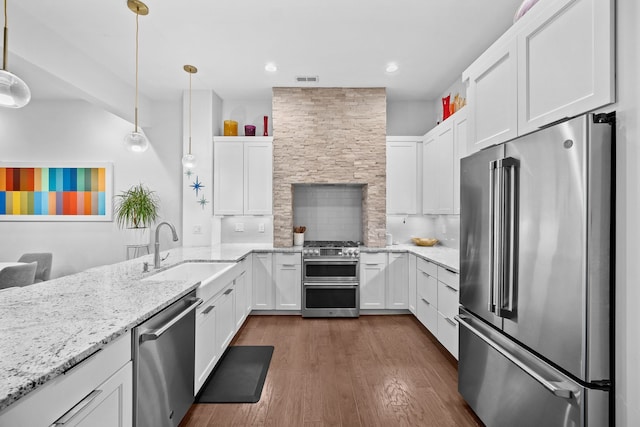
163, 365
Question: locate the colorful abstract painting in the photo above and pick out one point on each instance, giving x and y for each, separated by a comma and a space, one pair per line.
57, 192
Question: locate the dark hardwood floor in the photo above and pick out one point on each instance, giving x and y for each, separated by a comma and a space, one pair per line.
370, 371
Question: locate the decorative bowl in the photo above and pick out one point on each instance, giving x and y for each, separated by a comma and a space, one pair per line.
420, 241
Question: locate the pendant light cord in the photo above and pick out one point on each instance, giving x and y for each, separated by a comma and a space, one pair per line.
4, 45
190, 113
136, 112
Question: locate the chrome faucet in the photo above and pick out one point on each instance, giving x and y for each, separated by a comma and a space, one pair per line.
156, 250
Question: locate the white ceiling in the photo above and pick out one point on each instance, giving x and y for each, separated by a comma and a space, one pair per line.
347, 43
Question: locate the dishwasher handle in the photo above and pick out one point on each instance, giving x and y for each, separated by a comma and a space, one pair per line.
156, 333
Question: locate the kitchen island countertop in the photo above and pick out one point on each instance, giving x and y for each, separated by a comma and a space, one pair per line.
49, 327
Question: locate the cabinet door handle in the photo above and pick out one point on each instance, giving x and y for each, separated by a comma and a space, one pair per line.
425, 273
450, 321
449, 287
80, 406
427, 302
228, 291
372, 263
208, 309
288, 265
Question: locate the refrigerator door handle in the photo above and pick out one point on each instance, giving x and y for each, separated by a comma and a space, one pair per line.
508, 172
493, 257
557, 388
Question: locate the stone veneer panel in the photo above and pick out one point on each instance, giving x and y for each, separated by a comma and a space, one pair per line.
330, 135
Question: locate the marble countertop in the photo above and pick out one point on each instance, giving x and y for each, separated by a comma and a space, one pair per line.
442, 255
49, 327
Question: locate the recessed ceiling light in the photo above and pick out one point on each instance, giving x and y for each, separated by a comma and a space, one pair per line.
392, 67
271, 67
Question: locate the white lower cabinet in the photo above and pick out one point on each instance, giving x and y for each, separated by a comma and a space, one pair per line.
215, 327
109, 405
206, 355
220, 317
373, 280
263, 283
427, 294
247, 267
447, 333
437, 301
397, 296
225, 324
240, 296
288, 281
96, 392
413, 290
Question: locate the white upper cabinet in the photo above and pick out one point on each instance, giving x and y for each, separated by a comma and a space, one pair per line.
556, 62
429, 174
242, 176
565, 62
492, 94
228, 178
441, 165
444, 149
402, 175
461, 135
258, 190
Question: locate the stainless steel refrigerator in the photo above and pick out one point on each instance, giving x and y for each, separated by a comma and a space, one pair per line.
535, 285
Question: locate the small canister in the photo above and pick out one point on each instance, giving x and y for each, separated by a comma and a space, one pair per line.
249, 130
230, 128
389, 239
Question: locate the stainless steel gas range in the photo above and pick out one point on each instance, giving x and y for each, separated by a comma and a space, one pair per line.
330, 279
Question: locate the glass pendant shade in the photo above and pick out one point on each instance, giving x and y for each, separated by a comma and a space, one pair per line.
136, 142
14, 93
189, 161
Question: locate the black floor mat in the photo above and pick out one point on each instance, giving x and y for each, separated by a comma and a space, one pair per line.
239, 376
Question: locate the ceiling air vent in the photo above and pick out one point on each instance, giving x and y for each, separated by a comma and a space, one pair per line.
307, 79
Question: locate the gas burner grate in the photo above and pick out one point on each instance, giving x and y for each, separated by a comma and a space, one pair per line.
330, 244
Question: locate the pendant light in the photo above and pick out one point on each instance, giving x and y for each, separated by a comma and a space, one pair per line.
136, 141
14, 92
189, 160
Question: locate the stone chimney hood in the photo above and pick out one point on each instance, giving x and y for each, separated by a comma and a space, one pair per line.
330, 136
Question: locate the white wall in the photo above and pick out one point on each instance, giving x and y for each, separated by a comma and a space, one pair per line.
456, 87
75, 131
627, 214
405, 118
196, 221
247, 112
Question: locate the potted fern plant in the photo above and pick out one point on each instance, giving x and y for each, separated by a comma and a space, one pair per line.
136, 209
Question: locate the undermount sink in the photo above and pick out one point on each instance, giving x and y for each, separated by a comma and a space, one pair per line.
192, 271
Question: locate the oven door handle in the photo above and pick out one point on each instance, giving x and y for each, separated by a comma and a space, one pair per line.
342, 284
340, 261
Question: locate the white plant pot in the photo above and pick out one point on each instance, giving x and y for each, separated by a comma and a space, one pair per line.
137, 236
298, 239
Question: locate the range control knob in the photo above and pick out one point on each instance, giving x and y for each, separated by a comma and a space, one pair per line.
356, 252
316, 251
